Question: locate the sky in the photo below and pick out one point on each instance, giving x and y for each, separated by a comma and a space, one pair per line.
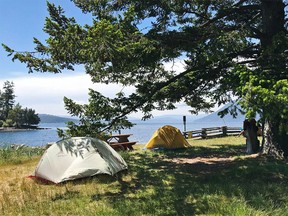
20, 21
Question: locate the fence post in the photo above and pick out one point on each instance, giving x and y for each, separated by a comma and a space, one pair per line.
224, 130
190, 135
184, 122
204, 133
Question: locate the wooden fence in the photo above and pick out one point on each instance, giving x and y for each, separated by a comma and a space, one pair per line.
212, 132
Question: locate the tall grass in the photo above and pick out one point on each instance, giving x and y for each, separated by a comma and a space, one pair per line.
214, 177
8, 155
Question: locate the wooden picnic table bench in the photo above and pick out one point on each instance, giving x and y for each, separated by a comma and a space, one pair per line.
121, 142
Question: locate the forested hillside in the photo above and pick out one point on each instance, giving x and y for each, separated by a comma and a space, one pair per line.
45, 118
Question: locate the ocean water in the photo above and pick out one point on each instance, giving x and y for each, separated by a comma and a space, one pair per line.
32, 137
141, 132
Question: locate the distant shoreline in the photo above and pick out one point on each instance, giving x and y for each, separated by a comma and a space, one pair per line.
13, 129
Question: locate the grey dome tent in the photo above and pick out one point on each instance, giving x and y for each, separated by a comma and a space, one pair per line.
76, 158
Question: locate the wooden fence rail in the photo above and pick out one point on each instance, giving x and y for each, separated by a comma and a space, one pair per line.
212, 132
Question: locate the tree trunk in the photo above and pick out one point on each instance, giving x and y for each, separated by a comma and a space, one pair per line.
273, 20
275, 138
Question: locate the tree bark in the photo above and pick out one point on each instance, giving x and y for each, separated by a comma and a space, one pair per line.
273, 20
275, 139
269, 145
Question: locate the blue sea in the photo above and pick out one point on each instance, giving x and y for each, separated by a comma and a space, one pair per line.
141, 132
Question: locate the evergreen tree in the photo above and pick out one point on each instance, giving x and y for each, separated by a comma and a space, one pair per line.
30, 117
7, 99
232, 49
23, 117
16, 114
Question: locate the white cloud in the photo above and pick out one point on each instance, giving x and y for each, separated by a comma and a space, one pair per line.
181, 109
178, 65
45, 92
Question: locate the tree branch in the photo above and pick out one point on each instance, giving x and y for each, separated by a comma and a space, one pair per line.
230, 11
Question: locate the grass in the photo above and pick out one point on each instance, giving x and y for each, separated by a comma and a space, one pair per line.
11, 156
215, 177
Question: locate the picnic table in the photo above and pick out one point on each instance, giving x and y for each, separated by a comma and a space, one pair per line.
121, 142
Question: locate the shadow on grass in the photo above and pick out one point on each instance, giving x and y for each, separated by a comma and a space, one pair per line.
183, 186
191, 181
65, 196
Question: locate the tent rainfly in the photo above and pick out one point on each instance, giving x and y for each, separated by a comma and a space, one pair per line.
78, 157
167, 137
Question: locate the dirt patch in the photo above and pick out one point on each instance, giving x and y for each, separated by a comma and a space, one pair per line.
211, 160
205, 165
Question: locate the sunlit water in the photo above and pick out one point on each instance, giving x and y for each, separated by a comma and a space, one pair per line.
32, 137
140, 133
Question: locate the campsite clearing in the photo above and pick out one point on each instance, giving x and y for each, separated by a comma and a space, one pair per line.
214, 177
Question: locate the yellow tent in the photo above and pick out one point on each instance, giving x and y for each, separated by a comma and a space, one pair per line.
167, 137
